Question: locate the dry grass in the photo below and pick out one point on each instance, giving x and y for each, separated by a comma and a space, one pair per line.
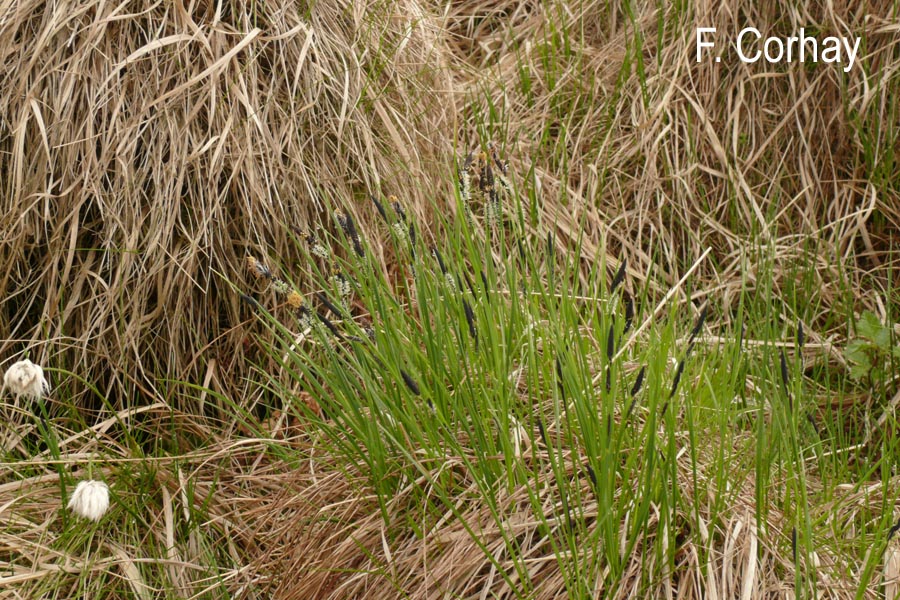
174, 522
692, 155
144, 153
146, 149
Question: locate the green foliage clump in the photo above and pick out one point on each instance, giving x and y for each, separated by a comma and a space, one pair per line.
874, 354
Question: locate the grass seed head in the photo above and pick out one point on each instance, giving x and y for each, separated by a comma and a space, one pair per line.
379, 207
258, 269
410, 382
619, 277
295, 299
398, 208
399, 230
342, 284
281, 287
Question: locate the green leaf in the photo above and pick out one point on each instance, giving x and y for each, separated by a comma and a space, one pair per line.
859, 371
858, 353
869, 326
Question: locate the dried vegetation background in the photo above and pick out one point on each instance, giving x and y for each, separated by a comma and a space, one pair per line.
146, 148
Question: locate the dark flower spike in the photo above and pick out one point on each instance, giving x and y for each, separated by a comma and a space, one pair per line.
619, 277
629, 312
677, 379
486, 181
559, 379
542, 431
484, 282
784, 370
611, 342
258, 268
591, 475
398, 208
440, 259
470, 318
794, 543
815, 426
316, 248
638, 382
329, 305
801, 338
521, 249
785, 378
350, 230
893, 530
331, 327
699, 325
250, 300
634, 390
380, 208
501, 165
610, 350
469, 284
410, 383
412, 238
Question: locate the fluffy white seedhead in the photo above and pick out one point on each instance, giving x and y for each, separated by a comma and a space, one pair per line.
26, 379
90, 499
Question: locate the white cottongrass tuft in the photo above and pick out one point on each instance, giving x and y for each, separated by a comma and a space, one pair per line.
90, 499
26, 379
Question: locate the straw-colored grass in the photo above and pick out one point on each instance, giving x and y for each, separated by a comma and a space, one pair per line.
145, 152
146, 149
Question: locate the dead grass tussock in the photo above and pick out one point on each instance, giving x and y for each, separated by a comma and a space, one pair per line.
694, 155
145, 150
176, 524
